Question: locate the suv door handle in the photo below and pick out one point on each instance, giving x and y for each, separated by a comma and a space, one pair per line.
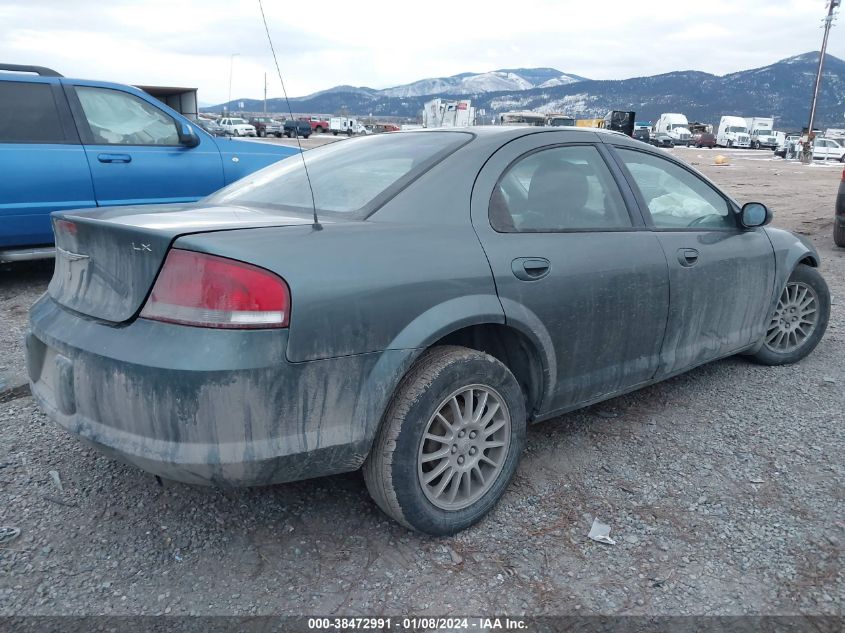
114, 158
687, 257
530, 268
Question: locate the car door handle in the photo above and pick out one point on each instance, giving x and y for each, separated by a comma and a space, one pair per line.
687, 257
114, 158
530, 268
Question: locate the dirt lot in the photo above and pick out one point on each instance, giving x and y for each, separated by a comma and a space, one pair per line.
723, 488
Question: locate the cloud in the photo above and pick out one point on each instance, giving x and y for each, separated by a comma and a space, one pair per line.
384, 43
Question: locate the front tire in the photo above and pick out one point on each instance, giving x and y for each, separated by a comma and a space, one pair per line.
799, 321
449, 442
262, 133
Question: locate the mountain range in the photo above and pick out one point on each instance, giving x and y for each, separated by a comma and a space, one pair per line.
782, 90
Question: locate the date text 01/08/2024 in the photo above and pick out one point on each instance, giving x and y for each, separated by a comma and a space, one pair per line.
416, 624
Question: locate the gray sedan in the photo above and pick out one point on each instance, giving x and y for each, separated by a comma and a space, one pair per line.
454, 287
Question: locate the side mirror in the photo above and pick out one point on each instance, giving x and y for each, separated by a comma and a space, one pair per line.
187, 136
754, 214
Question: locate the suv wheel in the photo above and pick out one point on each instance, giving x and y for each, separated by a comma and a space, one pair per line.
799, 320
262, 133
318, 129
449, 442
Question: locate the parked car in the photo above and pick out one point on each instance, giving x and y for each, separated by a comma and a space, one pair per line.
643, 134
839, 215
828, 149
460, 286
783, 146
70, 143
296, 128
266, 126
237, 126
661, 140
212, 127
706, 140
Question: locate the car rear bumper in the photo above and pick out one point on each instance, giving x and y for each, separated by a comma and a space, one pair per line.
205, 406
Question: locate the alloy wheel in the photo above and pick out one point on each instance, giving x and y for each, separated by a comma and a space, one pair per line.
464, 447
795, 318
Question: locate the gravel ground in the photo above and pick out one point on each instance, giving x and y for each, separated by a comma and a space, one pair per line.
723, 488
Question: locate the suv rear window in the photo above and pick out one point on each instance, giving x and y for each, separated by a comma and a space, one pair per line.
28, 113
356, 175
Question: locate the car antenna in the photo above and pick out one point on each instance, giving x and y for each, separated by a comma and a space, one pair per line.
317, 226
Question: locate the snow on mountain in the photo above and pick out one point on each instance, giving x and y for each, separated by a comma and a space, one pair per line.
563, 80
475, 83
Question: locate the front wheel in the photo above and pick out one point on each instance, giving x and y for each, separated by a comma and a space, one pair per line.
318, 129
799, 320
262, 133
449, 442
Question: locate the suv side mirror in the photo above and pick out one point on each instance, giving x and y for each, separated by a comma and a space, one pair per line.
187, 136
754, 214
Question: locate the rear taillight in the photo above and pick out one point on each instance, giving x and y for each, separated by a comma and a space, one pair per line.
209, 291
65, 226
843, 175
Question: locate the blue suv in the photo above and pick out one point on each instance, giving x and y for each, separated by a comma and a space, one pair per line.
70, 143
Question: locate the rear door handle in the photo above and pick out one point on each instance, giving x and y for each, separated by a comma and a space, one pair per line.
530, 268
687, 257
114, 158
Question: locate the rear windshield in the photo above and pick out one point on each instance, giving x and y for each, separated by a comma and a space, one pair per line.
349, 176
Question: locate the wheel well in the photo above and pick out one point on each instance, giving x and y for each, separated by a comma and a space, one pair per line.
511, 347
809, 260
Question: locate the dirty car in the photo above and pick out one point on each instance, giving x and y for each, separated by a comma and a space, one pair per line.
440, 291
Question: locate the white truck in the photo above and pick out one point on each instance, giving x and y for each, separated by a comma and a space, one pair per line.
237, 126
445, 113
345, 125
761, 132
675, 125
733, 132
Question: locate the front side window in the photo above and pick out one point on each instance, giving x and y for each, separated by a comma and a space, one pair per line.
120, 118
558, 189
675, 197
28, 113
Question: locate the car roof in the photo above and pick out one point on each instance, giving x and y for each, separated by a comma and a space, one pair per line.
514, 131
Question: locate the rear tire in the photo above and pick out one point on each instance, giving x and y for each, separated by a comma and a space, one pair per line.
799, 321
262, 133
466, 405
838, 233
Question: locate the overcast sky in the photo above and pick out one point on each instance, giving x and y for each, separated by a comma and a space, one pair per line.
385, 43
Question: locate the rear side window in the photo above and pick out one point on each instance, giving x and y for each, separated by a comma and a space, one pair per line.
120, 118
352, 176
558, 189
28, 113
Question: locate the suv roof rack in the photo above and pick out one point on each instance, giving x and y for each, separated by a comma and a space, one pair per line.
38, 70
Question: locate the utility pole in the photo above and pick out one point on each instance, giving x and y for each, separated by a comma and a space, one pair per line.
807, 154
231, 67
265, 94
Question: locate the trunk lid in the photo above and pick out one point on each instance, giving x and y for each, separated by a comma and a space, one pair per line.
108, 259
